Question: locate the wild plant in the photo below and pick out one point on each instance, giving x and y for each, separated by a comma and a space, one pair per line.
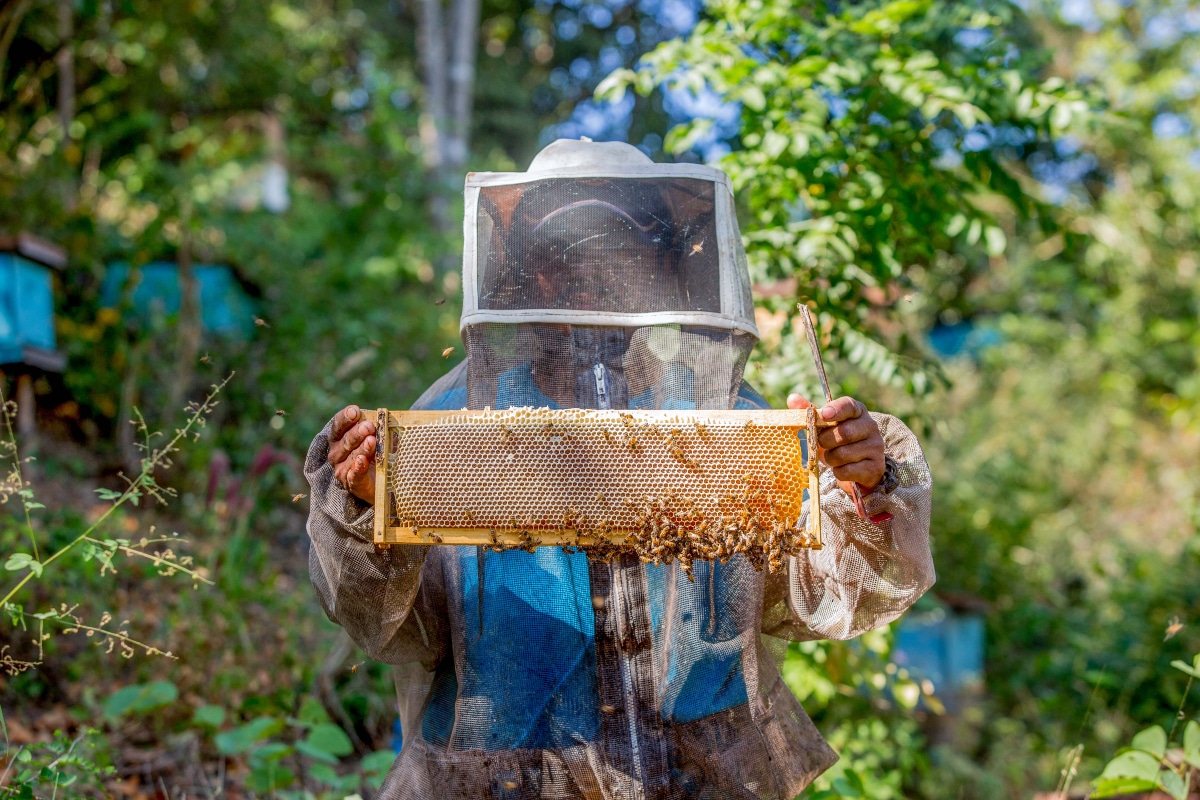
32, 566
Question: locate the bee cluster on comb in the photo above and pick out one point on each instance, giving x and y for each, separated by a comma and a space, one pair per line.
665, 485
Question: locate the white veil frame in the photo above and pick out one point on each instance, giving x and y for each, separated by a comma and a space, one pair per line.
737, 307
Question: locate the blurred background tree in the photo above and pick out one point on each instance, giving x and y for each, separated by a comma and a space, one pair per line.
991, 205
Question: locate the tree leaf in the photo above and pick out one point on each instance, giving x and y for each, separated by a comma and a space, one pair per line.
268, 777
139, 699
243, 737
1188, 669
315, 753
22, 561
1133, 764
208, 716
312, 712
1191, 743
375, 765
329, 738
1173, 785
1153, 740
1110, 787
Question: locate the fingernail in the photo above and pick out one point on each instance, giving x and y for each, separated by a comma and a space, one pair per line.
828, 412
352, 412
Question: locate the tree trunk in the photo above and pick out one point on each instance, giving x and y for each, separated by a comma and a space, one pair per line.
65, 60
447, 51
464, 37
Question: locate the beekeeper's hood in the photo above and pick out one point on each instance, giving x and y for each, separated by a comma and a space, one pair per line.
599, 279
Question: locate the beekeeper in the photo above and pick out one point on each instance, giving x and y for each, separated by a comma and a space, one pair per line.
599, 279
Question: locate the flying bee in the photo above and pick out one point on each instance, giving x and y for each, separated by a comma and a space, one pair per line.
446, 353
296, 498
206, 359
698, 247
279, 412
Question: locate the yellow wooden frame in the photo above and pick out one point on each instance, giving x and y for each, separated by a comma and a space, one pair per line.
389, 421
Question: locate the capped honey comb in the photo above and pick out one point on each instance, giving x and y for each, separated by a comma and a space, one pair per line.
666, 484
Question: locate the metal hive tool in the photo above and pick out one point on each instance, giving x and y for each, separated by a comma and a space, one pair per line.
669, 484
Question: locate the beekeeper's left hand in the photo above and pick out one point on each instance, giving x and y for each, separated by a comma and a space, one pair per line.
853, 448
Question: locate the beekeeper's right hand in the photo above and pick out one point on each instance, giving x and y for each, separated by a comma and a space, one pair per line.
352, 453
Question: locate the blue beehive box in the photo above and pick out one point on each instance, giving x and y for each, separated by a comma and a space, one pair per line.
27, 302
942, 642
226, 307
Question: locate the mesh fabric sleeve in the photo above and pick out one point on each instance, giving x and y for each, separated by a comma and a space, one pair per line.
866, 575
388, 600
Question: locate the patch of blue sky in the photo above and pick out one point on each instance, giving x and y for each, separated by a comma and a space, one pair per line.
567, 28
598, 121
1060, 175
581, 69
1169, 125
598, 15
683, 104
838, 105
1081, 13
678, 16
973, 37
1172, 24
978, 138
610, 58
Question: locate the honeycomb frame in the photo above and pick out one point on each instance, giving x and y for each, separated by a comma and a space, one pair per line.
465, 477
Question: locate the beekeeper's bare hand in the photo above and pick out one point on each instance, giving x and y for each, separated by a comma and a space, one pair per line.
853, 448
352, 453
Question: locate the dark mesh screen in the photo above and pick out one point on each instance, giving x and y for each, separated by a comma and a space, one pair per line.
671, 367
599, 244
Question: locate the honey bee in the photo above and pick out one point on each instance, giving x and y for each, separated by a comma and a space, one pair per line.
296, 498
698, 247
446, 353
435, 538
632, 443
205, 359
510, 784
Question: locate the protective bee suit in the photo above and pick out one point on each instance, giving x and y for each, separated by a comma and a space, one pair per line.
598, 279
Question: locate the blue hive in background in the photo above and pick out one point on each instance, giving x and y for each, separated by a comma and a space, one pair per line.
226, 306
941, 640
27, 303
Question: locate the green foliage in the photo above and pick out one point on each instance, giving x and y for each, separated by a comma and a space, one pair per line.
864, 706
140, 699
1144, 766
860, 159
65, 764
